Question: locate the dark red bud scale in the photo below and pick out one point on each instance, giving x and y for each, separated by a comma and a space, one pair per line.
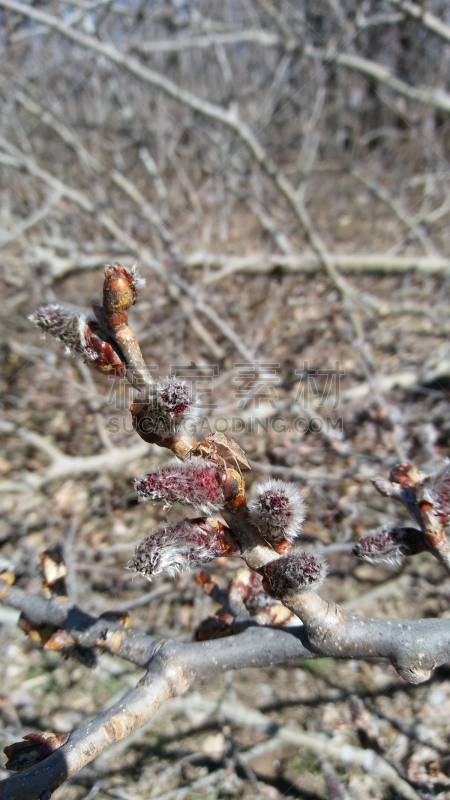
108, 358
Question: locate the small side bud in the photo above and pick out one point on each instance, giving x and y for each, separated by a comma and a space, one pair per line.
193, 483
406, 475
54, 572
278, 511
33, 749
105, 351
174, 548
165, 409
294, 573
389, 545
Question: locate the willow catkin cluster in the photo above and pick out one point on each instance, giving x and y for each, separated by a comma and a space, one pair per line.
192, 483
277, 509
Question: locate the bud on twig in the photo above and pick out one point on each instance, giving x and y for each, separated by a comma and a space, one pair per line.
246, 589
165, 409
80, 335
120, 292
173, 548
65, 326
193, 483
278, 511
293, 573
54, 572
33, 749
389, 545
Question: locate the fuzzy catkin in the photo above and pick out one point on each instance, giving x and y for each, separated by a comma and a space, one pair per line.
389, 545
65, 326
174, 548
192, 483
166, 408
295, 572
277, 510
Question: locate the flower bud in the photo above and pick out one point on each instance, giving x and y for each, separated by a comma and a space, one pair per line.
278, 511
66, 326
80, 335
33, 749
193, 483
120, 290
389, 545
165, 409
175, 547
294, 573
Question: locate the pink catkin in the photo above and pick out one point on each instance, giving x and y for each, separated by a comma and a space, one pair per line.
193, 483
174, 548
294, 573
277, 510
166, 408
389, 545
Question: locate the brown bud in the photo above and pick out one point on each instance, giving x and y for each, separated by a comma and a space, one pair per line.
34, 748
54, 571
38, 634
405, 474
119, 292
233, 487
7, 579
117, 616
214, 628
60, 640
205, 580
225, 447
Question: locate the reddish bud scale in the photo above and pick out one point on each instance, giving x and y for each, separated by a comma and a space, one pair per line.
247, 587
80, 335
433, 521
406, 475
106, 353
215, 528
299, 571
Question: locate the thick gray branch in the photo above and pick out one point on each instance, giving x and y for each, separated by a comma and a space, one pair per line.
413, 646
